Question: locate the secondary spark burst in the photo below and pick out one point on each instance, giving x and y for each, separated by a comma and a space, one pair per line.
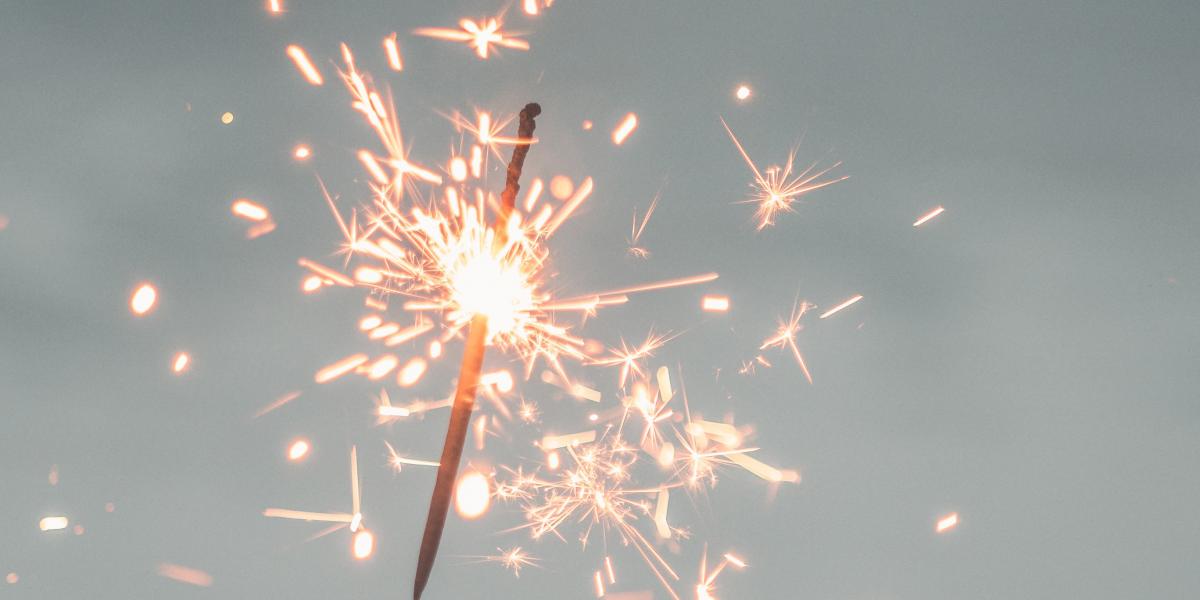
776, 189
480, 35
785, 336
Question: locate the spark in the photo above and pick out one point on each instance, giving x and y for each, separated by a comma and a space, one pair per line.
742, 93
275, 7
302, 152
392, 49
551, 442
397, 462
412, 372
599, 585
340, 368
52, 523
362, 541
929, 215
284, 399
636, 231
714, 303
298, 450
839, 307
52, 477
480, 35
630, 359
947, 523
775, 190
472, 495
561, 187
180, 363
143, 300
184, 574
227, 118
785, 336
530, 7
626, 127
249, 210
305, 66
587, 125
364, 544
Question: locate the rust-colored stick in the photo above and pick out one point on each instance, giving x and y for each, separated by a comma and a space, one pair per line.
468, 378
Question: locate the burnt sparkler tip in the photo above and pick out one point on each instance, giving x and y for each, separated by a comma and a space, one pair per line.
533, 109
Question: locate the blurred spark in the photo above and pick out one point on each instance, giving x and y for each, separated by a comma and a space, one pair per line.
929, 215
184, 574
839, 307
626, 127
143, 300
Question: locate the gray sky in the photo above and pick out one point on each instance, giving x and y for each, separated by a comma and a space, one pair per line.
1027, 359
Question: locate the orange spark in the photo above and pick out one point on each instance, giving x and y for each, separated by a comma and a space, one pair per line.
300, 57
472, 495
530, 7
393, 52
628, 124
839, 307
561, 187
929, 215
340, 368
298, 450
143, 299
181, 362
364, 544
599, 585
587, 125
947, 522
251, 211
53, 523
411, 372
302, 152
186, 575
715, 303
275, 7
743, 92
481, 35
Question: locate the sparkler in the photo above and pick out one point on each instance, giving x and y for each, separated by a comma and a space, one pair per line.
776, 189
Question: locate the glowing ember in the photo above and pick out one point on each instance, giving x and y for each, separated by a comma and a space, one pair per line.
298, 450
302, 152
392, 49
929, 215
180, 363
227, 118
628, 124
839, 307
300, 57
743, 92
947, 523
715, 303
364, 544
561, 187
472, 495
53, 523
186, 575
143, 299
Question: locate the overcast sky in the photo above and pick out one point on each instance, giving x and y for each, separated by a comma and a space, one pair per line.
1027, 359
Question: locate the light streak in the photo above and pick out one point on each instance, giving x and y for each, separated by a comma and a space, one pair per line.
184, 574
304, 65
776, 190
143, 300
341, 367
947, 523
660, 514
397, 462
551, 442
392, 49
180, 363
785, 336
284, 399
480, 35
472, 495
715, 303
839, 307
929, 215
599, 585
326, 272
626, 127
53, 523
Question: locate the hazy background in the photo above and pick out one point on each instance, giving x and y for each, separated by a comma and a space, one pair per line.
1027, 359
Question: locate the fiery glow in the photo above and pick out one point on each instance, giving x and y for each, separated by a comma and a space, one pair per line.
626, 127
304, 65
839, 307
775, 189
186, 575
180, 363
53, 523
715, 303
480, 35
412, 372
364, 544
472, 495
249, 210
392, 49
298, 450
925, 218
947, 523
143, 300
